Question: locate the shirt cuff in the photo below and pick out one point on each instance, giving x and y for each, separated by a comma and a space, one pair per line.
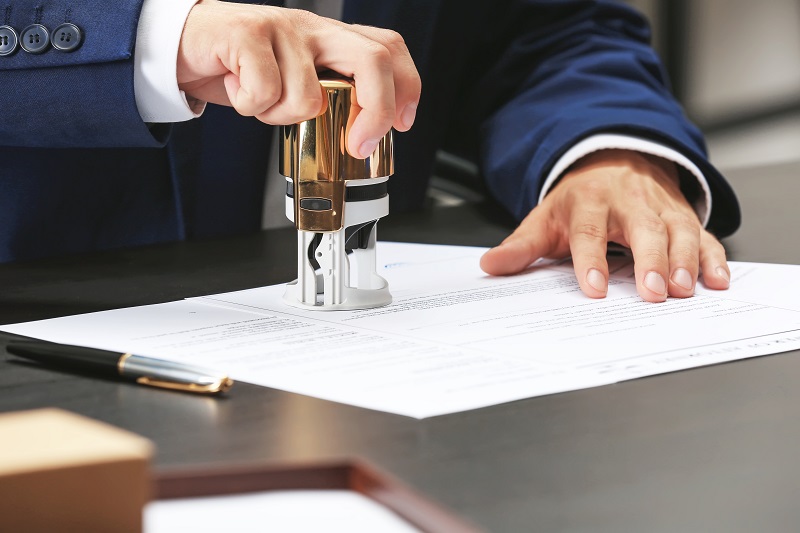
155, 77
606, 141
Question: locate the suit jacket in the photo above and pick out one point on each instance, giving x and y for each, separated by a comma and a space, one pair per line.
514, 82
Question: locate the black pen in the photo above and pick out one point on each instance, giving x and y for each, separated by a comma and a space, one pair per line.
142, 370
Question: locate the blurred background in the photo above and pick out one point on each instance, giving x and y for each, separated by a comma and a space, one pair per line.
735, 66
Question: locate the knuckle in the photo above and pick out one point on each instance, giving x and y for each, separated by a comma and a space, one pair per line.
683, 221
245, 111
594, 189
410, 84
303, 18
393, 39
684, 255
289, 114
299, 104
650, 223
381, 116
590, 231
377, 53
637, 194
296, 107
273, 116
264, 23
265, 97
655, 256
385, 115
587, 190
249, 103
306, 108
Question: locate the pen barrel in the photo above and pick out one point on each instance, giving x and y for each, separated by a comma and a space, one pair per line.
137, 367
71, 357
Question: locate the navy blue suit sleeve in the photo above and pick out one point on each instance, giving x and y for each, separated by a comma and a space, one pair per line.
82, 98
574, 69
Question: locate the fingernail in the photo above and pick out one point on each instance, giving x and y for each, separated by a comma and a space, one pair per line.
655, 282
596, 280
367, 147
408, 115
721, 272
683, 279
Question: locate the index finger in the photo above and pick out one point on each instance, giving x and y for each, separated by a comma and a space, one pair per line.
407, 83
370, 64
533, 239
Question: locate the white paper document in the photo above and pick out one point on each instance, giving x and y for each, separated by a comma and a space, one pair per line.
454, 338
298, 511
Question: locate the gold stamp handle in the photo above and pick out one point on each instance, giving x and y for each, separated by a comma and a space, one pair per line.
314, 155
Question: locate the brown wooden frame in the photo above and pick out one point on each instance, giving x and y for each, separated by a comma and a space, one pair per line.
344, 475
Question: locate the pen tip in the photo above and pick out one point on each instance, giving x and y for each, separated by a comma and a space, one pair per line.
225, 384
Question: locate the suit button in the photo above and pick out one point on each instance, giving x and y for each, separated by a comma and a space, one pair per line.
8, 40
35, 39
67, 37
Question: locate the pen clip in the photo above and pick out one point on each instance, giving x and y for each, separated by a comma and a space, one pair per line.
221, 385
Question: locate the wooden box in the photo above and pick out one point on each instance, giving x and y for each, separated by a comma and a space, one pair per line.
62, 472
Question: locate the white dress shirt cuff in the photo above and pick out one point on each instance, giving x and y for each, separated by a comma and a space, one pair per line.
155, 78
605, 141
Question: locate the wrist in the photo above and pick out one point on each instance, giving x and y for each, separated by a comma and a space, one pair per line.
621, 158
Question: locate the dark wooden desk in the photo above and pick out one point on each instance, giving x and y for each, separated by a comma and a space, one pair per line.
711, 449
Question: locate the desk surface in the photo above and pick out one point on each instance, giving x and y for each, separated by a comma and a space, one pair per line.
710, 449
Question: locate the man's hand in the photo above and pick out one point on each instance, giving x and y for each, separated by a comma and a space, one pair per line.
264, 60
623, 197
